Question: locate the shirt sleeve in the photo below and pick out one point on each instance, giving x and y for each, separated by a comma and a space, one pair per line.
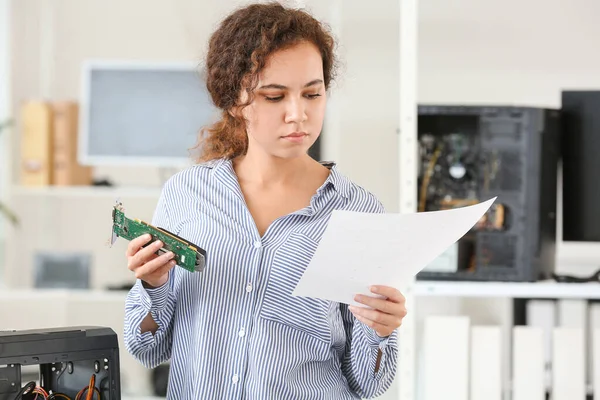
370, 361
152, 349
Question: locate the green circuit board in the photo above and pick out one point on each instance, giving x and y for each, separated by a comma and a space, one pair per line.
187, 255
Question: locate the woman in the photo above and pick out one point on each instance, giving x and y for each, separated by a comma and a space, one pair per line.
259, 204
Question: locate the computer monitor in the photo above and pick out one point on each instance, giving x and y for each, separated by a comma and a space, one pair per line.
581, 165
141, 114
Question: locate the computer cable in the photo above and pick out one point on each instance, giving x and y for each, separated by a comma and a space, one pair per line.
57, 396
25, 390
595, 277
90, 389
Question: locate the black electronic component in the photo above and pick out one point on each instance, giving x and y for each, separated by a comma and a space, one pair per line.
160, 379
473, 153
72, 362
580, 165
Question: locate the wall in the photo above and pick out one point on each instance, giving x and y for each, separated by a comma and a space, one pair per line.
5, 88
513, 52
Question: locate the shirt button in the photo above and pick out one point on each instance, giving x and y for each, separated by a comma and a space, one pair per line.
242, 333
257, 244
249, 287
235, 378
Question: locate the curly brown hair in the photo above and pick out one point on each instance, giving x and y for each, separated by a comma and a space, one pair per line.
238, 51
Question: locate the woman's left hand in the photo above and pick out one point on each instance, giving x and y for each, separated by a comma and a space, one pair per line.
386, 314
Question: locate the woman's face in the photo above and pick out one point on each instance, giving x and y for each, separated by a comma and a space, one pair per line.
286, 115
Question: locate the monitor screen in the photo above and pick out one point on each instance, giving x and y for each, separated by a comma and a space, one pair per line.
581, 165
141, 114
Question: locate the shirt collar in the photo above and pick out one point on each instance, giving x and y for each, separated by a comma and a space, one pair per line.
339, 182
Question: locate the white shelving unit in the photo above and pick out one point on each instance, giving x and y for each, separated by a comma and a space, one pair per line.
513, 290
407, 151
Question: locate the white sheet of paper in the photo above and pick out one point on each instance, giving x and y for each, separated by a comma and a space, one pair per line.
358, 250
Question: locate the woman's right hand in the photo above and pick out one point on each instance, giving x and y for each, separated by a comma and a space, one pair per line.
147, 266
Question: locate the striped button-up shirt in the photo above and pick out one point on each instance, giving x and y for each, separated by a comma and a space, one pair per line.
235, 331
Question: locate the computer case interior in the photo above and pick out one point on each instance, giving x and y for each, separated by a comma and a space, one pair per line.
469, 154
72, 361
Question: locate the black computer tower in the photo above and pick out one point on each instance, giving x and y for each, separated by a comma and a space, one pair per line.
469, 154
581, 165
70, 360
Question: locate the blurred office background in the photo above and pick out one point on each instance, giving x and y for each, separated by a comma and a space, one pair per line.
497, 316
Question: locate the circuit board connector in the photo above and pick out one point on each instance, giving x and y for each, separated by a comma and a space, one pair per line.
187, 255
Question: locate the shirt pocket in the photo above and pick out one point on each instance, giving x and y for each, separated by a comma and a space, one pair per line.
308, 315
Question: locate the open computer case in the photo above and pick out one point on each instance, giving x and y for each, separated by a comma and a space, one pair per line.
72, 362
